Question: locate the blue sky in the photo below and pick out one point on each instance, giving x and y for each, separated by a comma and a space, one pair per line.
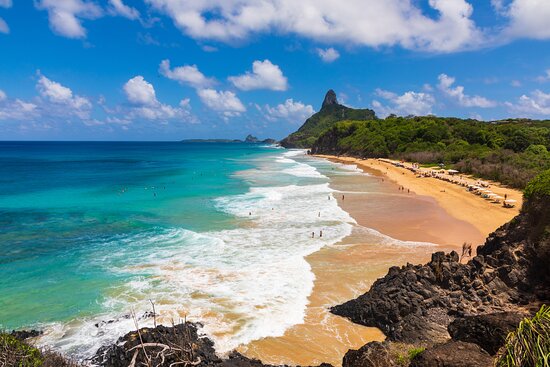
175, 69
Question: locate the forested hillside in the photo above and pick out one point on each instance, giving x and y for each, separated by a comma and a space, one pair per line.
511, 151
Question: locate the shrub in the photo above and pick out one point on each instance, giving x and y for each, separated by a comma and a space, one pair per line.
539, 186
529, 344
15, 353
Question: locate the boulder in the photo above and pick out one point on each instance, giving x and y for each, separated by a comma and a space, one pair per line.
453, 354
488, 331
373, 354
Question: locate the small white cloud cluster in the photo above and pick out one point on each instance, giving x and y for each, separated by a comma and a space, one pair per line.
264, 75
4, 28
457, 93
408, 103
53, 102
328, 55
65, 17
142, 96
225, 102
537, 104
186, 74
291, 111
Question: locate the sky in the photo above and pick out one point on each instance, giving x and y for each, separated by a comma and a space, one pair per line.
180, 69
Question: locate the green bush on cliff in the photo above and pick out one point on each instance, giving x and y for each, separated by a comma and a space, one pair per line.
17, 353
539, 186
529, 345
14, 352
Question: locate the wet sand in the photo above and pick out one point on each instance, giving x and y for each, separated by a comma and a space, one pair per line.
349, 268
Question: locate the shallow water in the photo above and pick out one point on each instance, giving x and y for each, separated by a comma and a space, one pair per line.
214, 232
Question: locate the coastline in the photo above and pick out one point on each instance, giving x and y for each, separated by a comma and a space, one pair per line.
347, 269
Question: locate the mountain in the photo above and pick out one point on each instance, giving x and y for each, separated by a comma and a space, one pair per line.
330, 113
251, 139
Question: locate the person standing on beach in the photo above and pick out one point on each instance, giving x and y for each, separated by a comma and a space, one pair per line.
342, 197
320, 233
312, 234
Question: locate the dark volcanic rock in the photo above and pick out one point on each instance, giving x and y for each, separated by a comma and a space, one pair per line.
453, 354
373, 354
487, 331
25, 334
180, 345
330, 99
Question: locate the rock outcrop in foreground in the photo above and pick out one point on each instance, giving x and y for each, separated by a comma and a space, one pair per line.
476, 303
179, 345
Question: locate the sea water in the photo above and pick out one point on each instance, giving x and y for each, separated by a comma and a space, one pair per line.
93, 234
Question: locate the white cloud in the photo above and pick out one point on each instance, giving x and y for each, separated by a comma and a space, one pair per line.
515, 83
328, 55
457, 93
544, 78
17, 110
54, 102
295, 112
528, 18
4, 28
65, 16
361, 22
63, 96
225, 102
536, 104
117, 7
187, 74
141, 94
264, 75
6, 3
408, 103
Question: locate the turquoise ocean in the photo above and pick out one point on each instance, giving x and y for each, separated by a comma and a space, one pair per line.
91, 232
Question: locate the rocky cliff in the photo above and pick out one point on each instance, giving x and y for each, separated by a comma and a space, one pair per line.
331, 112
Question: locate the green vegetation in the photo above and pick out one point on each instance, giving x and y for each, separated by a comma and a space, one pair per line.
306, 136
529, 345
16, 353
414, 352
539, 186
512, 151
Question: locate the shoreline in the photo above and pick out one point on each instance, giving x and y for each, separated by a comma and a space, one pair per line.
348, 269
459, 203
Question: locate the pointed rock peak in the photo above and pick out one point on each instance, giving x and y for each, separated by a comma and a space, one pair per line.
330, 99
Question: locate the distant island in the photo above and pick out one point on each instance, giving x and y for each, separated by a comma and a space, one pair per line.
248, 139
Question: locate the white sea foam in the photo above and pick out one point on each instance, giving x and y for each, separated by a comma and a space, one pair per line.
243, 283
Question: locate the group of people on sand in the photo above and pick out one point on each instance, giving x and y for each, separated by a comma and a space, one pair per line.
402, 188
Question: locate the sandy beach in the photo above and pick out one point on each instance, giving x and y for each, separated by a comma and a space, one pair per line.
433, 214
484, 215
